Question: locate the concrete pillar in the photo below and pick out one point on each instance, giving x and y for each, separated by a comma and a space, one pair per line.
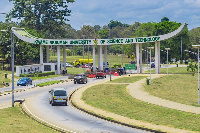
58, 59
137, 56
47, 53
94, 61
101, 57
41, 54
105, 57
140, 58
159, 57
64, 57
156, 57
41, 58
98, 53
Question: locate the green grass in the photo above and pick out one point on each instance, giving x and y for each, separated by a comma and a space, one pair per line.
181, 88
3, 79
127, 79
171, 70
114, 98
45, 77
13, 121
49, 83
115, 59
74, 70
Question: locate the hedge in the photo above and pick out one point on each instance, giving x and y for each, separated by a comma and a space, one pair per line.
37, 74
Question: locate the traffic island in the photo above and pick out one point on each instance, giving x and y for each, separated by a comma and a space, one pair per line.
76, 101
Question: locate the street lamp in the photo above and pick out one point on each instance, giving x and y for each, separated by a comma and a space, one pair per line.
197, 46
83, 54
12, 60
167, 58
150, 48
181, 49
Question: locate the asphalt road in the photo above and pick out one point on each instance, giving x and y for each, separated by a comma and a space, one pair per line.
34, 82
65, 116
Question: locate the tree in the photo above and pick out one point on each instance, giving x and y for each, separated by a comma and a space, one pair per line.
164, 19
97, 28
113, 24
40, 14
103, 34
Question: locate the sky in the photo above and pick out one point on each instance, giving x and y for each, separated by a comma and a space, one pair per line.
101, 12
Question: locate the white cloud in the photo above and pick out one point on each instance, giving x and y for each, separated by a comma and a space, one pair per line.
92, 12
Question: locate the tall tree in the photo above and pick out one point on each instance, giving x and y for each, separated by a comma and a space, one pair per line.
164, 19
40, 14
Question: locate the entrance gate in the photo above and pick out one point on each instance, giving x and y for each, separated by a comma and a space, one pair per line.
22, 34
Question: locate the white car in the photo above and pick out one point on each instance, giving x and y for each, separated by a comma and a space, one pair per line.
58, 96
69, 65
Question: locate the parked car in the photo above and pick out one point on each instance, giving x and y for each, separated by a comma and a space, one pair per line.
121, 71
80, 78
85, 66
69, 65
58, 96
24, 81
100, 73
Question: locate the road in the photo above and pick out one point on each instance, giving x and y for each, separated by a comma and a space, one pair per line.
65, 116
34, 82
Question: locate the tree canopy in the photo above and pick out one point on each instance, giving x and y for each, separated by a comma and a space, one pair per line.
40, 14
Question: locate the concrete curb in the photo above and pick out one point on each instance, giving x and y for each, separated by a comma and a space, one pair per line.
104, 117
112, 120
76, 101
27, 112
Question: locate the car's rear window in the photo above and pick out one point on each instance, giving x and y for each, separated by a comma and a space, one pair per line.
60, 93
77, 76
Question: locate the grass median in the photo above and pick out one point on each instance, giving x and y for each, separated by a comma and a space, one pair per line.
181, 88
115, 98
12, 120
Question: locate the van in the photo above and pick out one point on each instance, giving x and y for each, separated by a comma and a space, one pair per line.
58, 96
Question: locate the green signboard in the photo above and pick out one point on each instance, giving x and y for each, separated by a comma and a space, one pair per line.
130, 66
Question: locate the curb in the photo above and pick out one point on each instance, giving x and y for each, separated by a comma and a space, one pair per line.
27, 112
105, 118
114, 121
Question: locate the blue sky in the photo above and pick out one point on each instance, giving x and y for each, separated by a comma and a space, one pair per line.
100, 12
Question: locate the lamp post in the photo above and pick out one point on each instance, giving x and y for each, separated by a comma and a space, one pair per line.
197, 46
12, 60
181, 49
167, 58
83, 54
150, 48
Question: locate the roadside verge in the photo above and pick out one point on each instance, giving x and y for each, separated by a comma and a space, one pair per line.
80, 104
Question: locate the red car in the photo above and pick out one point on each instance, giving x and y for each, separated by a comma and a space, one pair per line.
100, 73
85, 66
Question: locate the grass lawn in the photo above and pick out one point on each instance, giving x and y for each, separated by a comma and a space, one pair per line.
171, 70
3, 79
74, 70
181, 88
12, 120
114, 98
48, 83
115, 59
45, 77
127, 79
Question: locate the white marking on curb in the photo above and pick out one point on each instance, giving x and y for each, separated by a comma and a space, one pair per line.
45, 121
